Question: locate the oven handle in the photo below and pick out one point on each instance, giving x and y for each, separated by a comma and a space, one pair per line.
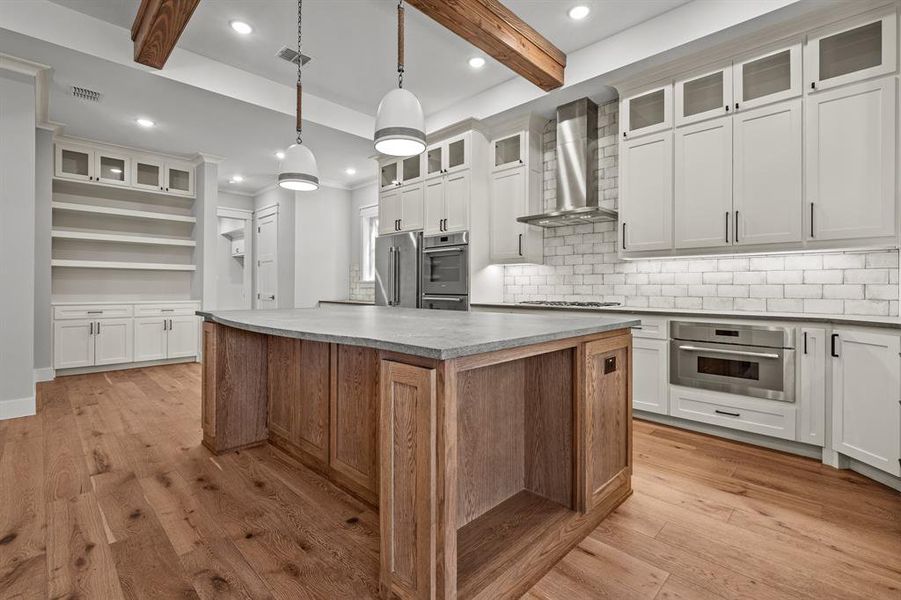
442, 299
732, 352
449, 249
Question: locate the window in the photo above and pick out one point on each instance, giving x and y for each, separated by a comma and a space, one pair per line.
369, 230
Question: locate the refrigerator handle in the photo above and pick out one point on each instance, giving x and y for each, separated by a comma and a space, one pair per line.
396, 276
391, 260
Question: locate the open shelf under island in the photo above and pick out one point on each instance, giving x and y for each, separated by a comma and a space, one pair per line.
491, 443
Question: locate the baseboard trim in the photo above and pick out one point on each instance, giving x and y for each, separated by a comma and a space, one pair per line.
124, 366
875, 474
44, 374
20, 407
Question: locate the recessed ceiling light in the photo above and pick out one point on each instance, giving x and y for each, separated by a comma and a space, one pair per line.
350, 171
143, 122
280, 155
476, 62
241, 27
577, 13
237, 178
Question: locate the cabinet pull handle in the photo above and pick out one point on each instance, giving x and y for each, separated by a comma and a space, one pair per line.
624, 235
805, 342
98, 327
726, 412
735, 233
95, 312
727, 226
92, 328
813, 85
832, 349
520, 244
811, 219
736, 106
727, 108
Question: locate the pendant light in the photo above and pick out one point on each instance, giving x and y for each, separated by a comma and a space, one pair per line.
298, 169
399, 123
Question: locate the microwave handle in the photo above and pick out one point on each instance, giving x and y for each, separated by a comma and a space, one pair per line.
441, 299
730, 352
439, 249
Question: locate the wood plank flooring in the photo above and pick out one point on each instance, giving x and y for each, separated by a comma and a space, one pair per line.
107, 493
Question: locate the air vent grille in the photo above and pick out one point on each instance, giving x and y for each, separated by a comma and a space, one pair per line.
86, 94
290, 55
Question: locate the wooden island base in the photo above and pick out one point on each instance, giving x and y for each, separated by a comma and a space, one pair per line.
486, 469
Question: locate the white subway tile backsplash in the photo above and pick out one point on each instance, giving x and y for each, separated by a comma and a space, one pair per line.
581, 263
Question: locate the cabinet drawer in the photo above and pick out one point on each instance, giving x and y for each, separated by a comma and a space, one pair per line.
766, 417
651, 327
92, 311
165, 310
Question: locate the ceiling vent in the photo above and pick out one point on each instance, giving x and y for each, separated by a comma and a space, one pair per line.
290, 55
86, 94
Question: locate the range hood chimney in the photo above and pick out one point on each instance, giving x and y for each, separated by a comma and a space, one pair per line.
577, 162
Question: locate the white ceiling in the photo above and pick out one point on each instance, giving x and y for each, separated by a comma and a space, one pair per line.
189, 120
352, 42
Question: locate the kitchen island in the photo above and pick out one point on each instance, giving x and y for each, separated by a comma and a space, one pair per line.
490, 443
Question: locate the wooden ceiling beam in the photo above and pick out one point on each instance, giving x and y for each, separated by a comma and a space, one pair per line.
497, 31
157, 27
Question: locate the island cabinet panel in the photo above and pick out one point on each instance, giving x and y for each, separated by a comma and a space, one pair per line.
354, 419
408, 486
299, 387
607, 414
235, 382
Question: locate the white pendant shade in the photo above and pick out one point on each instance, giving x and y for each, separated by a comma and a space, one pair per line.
299, 170
400, 124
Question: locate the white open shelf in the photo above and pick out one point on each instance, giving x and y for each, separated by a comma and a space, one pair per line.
105, 264
121, 212
98, 236
236, 233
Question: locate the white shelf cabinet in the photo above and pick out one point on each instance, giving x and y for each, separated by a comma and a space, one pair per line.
94, 342
650, 359
446, 203
512, 241
866, 386
646, 112
448, 156
646, 177
853, 50
764, 78
162, 337
395, 172
851, 161
704, 96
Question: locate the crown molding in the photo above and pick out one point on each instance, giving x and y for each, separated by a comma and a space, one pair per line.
203, 157
41, 74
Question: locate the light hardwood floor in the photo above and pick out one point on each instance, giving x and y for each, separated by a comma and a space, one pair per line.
107, 493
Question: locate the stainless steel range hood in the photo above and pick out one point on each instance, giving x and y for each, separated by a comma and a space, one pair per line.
577, 178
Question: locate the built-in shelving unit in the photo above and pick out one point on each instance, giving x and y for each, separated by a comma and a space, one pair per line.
99, 236
104, 264
122, 212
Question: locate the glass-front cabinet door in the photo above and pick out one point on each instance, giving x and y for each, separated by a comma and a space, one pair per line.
765, 78
856, 49
147, 174
704, 96
389, 174
457, 153
647, 112
112, 168
508, 151
434, 160
180, 178
411, 169
74, 162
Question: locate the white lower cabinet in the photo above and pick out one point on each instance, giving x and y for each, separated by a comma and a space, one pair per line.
766, 417
866, 397
88, 343
113, 341
812, 387
150, 338
650, 386
181, 340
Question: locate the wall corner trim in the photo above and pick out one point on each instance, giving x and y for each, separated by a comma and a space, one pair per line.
20, 407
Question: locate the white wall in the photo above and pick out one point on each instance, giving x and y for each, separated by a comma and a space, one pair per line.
17, 192
205, 233
43, 218
361, 197
323, 246
229, 200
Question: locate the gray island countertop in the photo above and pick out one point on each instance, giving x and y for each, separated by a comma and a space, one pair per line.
429, 333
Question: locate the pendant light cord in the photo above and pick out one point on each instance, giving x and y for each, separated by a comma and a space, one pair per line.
400, 43
299, 123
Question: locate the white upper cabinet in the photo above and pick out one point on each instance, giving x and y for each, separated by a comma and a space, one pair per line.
866, 384
434, 160
74, 161
646, 178
703, 184
448, 156
852, 50
508, 201
390, 212
411, 169
768, 172
400, 171
851, 165
389, 174
456, 201
647, 112
179, 178
147, 173
112, 167
760, 79
411, 207
433, 205
704, 96
509, 151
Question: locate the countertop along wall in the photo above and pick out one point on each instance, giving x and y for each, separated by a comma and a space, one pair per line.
581, 264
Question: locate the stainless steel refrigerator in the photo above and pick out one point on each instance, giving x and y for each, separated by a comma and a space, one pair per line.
397, 259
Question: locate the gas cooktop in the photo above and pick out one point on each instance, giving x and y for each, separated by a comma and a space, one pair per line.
571, 304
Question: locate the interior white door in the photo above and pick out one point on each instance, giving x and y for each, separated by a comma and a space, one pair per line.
433, 205
182, 337
767, 196
266, 244
851, 162
646, 192
150, 338
866, 414
812, 398
73, 344
703, 188
507, 203
113, 341
411, 207
650, 391
389, 211
456, 201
